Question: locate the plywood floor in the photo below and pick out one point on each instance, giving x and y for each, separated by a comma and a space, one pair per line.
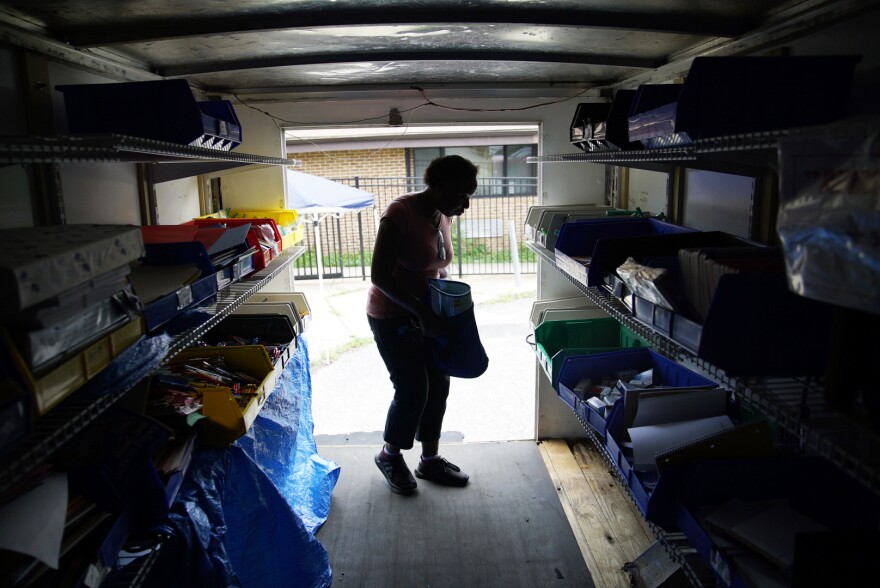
607, 525
507, 528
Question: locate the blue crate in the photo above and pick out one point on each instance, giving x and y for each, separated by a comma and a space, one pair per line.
757, 327
162, 311
814, 487
666, 372
665, 240
655, 316
581, 238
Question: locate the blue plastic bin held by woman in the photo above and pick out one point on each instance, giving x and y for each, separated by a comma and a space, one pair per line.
461, 353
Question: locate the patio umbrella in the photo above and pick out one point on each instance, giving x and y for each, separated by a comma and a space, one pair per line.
319, 196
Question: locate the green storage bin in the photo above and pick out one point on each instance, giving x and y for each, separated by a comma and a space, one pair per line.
556, 340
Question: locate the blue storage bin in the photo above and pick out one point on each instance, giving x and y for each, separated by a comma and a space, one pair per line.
757, 327
655, 491
815, 488
598, 365
581, 238
655, 316
667, 239
160, 312
734, 94
163, 110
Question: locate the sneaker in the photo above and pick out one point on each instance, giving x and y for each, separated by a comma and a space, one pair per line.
395, 471
441, 471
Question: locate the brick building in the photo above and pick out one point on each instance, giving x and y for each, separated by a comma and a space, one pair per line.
482, 235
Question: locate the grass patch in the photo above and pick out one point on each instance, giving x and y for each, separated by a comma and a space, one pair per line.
353, 344
511, 297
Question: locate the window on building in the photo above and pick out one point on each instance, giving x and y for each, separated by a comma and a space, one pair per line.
503, 168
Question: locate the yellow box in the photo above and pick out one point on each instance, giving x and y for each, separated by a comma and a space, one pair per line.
289, 237
282, 217
286, 219
227, 420
58, 383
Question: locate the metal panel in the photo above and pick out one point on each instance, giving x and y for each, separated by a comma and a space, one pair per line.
264, 45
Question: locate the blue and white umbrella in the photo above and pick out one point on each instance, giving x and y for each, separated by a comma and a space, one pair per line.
321, 197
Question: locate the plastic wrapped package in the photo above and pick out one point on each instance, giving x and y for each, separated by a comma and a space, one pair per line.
829, 216
65, 338
246, 515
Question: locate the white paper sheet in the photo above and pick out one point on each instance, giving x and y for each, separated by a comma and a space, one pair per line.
33, 524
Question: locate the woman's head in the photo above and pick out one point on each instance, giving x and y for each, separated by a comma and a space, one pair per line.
454, 179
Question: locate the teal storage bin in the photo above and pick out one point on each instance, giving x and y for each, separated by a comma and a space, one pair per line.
556, 340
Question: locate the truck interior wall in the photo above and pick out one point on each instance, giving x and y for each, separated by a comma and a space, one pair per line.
17, 208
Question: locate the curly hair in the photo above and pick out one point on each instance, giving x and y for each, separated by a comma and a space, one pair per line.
449, 168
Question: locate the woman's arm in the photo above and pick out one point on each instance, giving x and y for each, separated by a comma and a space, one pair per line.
389, 241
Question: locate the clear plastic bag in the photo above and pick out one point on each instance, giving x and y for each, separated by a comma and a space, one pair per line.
829, 214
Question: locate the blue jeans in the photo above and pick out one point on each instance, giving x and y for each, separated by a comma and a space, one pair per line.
420, 389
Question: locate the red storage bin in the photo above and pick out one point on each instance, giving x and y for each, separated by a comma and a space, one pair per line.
258, 236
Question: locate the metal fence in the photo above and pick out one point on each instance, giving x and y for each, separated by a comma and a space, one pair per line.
487, 239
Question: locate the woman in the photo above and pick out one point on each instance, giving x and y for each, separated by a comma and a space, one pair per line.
413, 244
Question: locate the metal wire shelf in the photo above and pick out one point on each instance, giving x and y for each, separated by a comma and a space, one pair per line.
796, 405
117, 148
753, 142
53, 430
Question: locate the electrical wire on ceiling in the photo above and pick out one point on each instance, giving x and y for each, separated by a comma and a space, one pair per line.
428, 102
424, 94
279, 122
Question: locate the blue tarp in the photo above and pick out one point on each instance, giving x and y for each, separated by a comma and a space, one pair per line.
246, 516
308, 193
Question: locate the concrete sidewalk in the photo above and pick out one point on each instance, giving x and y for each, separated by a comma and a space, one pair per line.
339, 320
351, 390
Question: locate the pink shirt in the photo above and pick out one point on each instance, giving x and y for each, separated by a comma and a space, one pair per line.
418, 258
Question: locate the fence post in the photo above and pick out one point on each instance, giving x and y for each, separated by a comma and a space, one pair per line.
514, 253
361, 241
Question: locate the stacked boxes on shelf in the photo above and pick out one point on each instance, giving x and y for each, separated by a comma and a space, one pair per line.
288, 222
263, 235
731, 95
68, 306
185, 266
